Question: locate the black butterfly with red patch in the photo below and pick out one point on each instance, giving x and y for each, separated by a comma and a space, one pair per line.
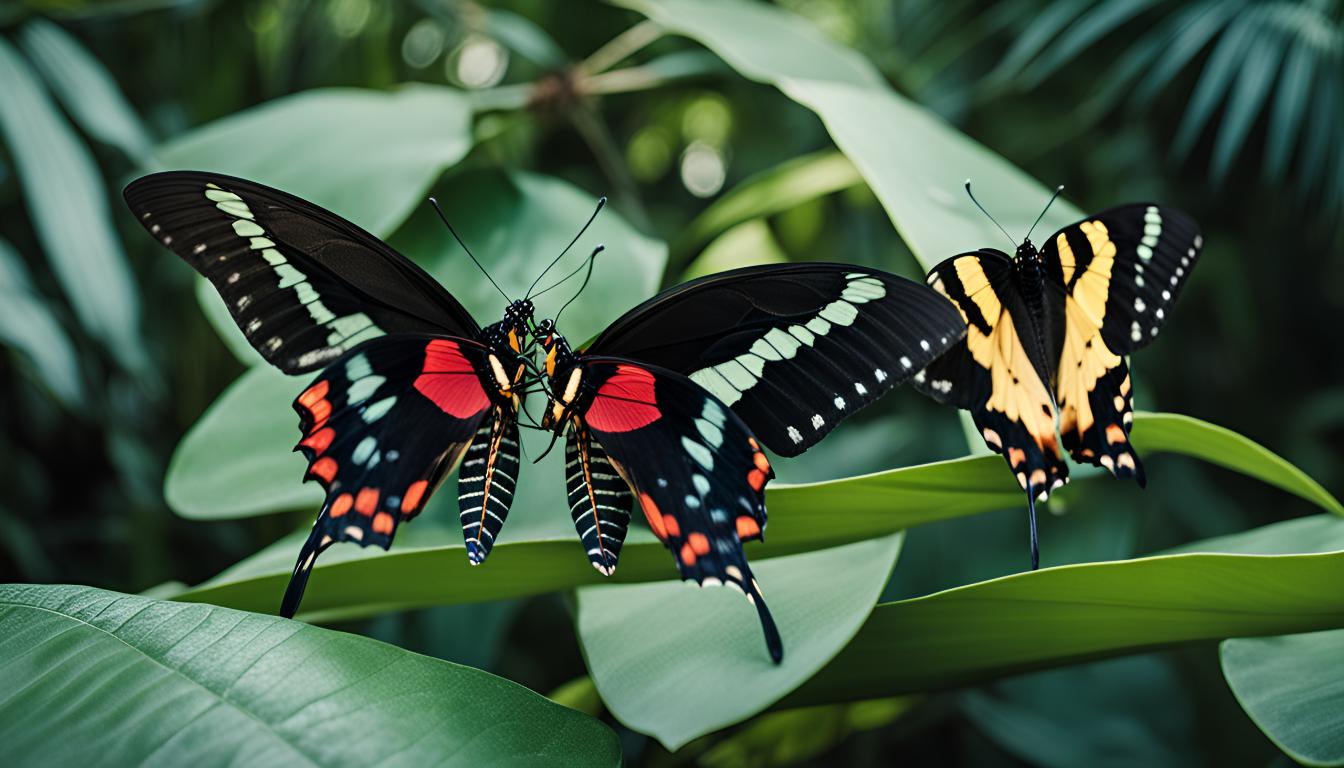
410, 384
665, 407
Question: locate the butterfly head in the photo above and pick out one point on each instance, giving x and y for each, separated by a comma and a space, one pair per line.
1026, 252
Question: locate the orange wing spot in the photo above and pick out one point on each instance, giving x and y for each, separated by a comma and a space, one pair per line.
755, 446
414, 494
762, 463
687, 555
1114, 434
654, 517
756, 479
1016, 456
314, 393
382, 523
367, 501
747, 527
324, 468
320, 440
341, 505
321, 411
699, 543
671, 526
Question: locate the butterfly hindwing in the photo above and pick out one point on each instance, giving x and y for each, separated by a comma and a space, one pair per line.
695, 469
486, 481
303, 284
381, 428
996, 372
793, 349
599, 499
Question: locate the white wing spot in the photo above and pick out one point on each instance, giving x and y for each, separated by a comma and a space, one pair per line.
817, 421
795, 435
924, 345
859, 388
840, 402
200, 248
1135, 332
905, 362
880, 374
1139, 306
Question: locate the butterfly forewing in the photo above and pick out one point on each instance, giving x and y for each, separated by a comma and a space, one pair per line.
303, 284
996, 372
792, 349
381, 427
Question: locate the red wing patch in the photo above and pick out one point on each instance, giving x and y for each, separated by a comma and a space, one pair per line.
449, 380
625, 402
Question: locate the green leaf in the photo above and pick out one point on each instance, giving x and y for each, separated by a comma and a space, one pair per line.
745, 245
1259, 68
778, 189
795, 735
1215, 80
651, 644
86, 89
68, 205
95, 677
918, 177
1099, 21
1291, 97
1064, 615
28, 326
1292, 688
538, 550
367, 155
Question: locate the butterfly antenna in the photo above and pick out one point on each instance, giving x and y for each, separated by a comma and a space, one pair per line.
591, 261
602, 201
572, 273
991, 218
1053, 197
453, 232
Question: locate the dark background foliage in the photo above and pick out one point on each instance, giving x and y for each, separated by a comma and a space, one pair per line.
1095, 96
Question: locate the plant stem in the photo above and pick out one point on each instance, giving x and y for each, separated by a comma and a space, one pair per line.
621, 47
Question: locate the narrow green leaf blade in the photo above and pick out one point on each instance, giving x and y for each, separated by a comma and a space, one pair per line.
28, 326
649, 644
68, 204
1292, 688
96, 677
1068, 614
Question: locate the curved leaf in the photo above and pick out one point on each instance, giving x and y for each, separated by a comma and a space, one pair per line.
28, 326
368, 155
538, 551
778, 189
1292, 688
95, 677
1073, 613
67, 202
918, 176
700, 649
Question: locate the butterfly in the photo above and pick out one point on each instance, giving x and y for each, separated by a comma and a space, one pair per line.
410, 386
1047, 335
669, 409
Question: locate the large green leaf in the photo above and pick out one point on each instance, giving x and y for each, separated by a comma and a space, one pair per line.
68, 204
1068, 614
368, 155
236, 460
539, 552
1292, 687
95, 677
651, 644
911, 158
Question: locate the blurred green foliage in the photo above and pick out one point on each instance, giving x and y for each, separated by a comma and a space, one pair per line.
1230, 110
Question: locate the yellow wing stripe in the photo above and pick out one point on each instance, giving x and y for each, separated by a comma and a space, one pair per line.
1085, 356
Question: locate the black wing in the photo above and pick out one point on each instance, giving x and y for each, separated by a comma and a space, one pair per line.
1120, 272
697, 472
996, 372
381, 427
794, 348
303, 284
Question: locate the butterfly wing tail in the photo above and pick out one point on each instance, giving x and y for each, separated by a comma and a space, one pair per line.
773, 643
298, 582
